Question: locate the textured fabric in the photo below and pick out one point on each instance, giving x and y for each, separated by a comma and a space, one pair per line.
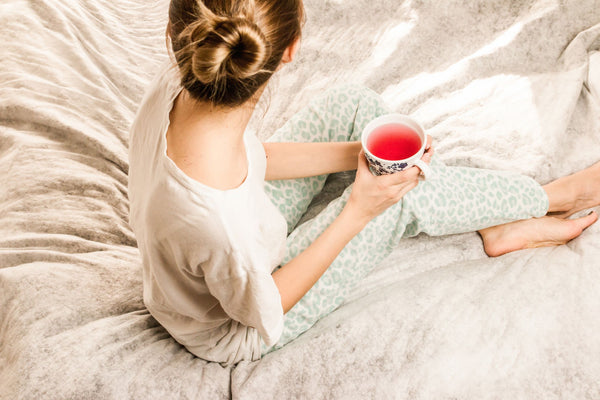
505, 85
454, 200
207, 254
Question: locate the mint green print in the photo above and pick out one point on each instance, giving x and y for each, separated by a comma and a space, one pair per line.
454, 200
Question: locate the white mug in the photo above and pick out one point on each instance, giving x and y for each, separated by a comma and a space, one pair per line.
380, 166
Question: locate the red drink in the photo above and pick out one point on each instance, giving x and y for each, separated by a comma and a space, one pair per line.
393, 142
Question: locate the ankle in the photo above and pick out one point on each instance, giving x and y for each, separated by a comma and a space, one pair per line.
561, 195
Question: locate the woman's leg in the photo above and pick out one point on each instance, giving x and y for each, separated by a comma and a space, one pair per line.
455, 200
463, 199
575, 192
566, 195
533, 232
339, 115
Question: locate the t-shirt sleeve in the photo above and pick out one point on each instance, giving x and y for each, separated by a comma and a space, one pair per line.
247, 294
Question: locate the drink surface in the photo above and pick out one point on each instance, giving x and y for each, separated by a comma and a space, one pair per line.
393, 142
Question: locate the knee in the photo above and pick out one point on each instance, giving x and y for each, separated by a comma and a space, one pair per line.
359, 103
352, 92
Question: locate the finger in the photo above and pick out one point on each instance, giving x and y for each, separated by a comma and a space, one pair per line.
412, 174
363, 164
401, 177
407, 188
429, 141
428, 154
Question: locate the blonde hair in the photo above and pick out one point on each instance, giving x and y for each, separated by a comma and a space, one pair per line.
226, 50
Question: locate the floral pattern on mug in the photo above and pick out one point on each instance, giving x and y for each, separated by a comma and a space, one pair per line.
380, 169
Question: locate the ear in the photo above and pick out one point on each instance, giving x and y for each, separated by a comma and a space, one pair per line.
290, 51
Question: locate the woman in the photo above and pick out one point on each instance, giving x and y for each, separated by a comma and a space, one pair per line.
221, 273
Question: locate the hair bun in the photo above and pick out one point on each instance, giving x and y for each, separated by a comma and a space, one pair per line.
226, 50
230, 48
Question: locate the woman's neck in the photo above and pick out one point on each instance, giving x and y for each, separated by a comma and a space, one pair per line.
228, 124
201, 137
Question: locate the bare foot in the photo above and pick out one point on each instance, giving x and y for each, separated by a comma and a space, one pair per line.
575, 192
533, 232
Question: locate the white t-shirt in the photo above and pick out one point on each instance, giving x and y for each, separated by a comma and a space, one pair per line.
208, 254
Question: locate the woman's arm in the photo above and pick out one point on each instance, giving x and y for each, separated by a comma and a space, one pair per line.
296, 278
370, 196
298, 160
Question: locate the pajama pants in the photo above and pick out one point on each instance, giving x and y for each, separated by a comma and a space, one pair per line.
453, 200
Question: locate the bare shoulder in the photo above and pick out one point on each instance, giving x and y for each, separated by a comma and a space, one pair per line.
206, 161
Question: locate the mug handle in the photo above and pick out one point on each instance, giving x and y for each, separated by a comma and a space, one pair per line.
425, 169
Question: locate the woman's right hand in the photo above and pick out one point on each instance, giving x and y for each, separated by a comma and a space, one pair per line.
371, 194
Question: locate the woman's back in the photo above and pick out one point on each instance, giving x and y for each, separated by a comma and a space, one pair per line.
207, 253
201, 142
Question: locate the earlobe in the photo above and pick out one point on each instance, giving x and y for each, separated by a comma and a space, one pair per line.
290, 51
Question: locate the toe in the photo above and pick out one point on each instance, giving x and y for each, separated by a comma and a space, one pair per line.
577, 225
584, 222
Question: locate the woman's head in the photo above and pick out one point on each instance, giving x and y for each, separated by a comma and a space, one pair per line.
227, 49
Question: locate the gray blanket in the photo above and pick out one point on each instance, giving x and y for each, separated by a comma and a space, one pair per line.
511, 85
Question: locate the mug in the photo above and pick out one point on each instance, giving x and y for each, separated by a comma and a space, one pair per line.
393, 143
